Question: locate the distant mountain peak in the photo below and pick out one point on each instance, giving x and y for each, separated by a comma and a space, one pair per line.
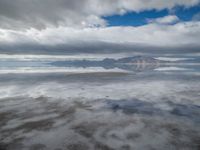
139, 59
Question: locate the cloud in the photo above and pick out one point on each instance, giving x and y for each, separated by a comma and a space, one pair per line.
151, 34
20, 14
171, 19
77, 25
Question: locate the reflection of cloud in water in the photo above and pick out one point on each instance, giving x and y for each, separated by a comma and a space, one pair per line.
143, 89
67, 70
171, 69
103, 112
190, 112
173, 58
54, 123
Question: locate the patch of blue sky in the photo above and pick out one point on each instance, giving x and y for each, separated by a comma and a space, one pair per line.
187, 14
141, 18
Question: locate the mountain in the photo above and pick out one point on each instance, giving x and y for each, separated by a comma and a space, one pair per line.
128, 63
139, 60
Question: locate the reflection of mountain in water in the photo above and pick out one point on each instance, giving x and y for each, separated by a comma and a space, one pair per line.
137, 63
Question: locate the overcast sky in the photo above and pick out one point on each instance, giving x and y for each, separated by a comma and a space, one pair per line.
95, 24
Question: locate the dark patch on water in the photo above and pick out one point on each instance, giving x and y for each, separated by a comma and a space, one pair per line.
136, 106
38, 147
3, 146
100, 146
77, 146
188, 111
132, 106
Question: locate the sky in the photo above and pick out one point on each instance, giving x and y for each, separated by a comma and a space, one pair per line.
99, 26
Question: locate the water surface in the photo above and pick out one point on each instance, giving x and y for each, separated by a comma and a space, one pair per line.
51, 105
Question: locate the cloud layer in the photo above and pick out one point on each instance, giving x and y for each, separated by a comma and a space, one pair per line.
39, 14
152, 34
79, 24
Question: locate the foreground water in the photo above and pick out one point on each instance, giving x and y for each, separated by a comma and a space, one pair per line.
44, 107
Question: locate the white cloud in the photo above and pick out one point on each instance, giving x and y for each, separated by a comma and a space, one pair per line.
80, 22
171, 19
39, 14
151, 34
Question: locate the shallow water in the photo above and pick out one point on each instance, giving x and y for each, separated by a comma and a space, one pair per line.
134, 108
